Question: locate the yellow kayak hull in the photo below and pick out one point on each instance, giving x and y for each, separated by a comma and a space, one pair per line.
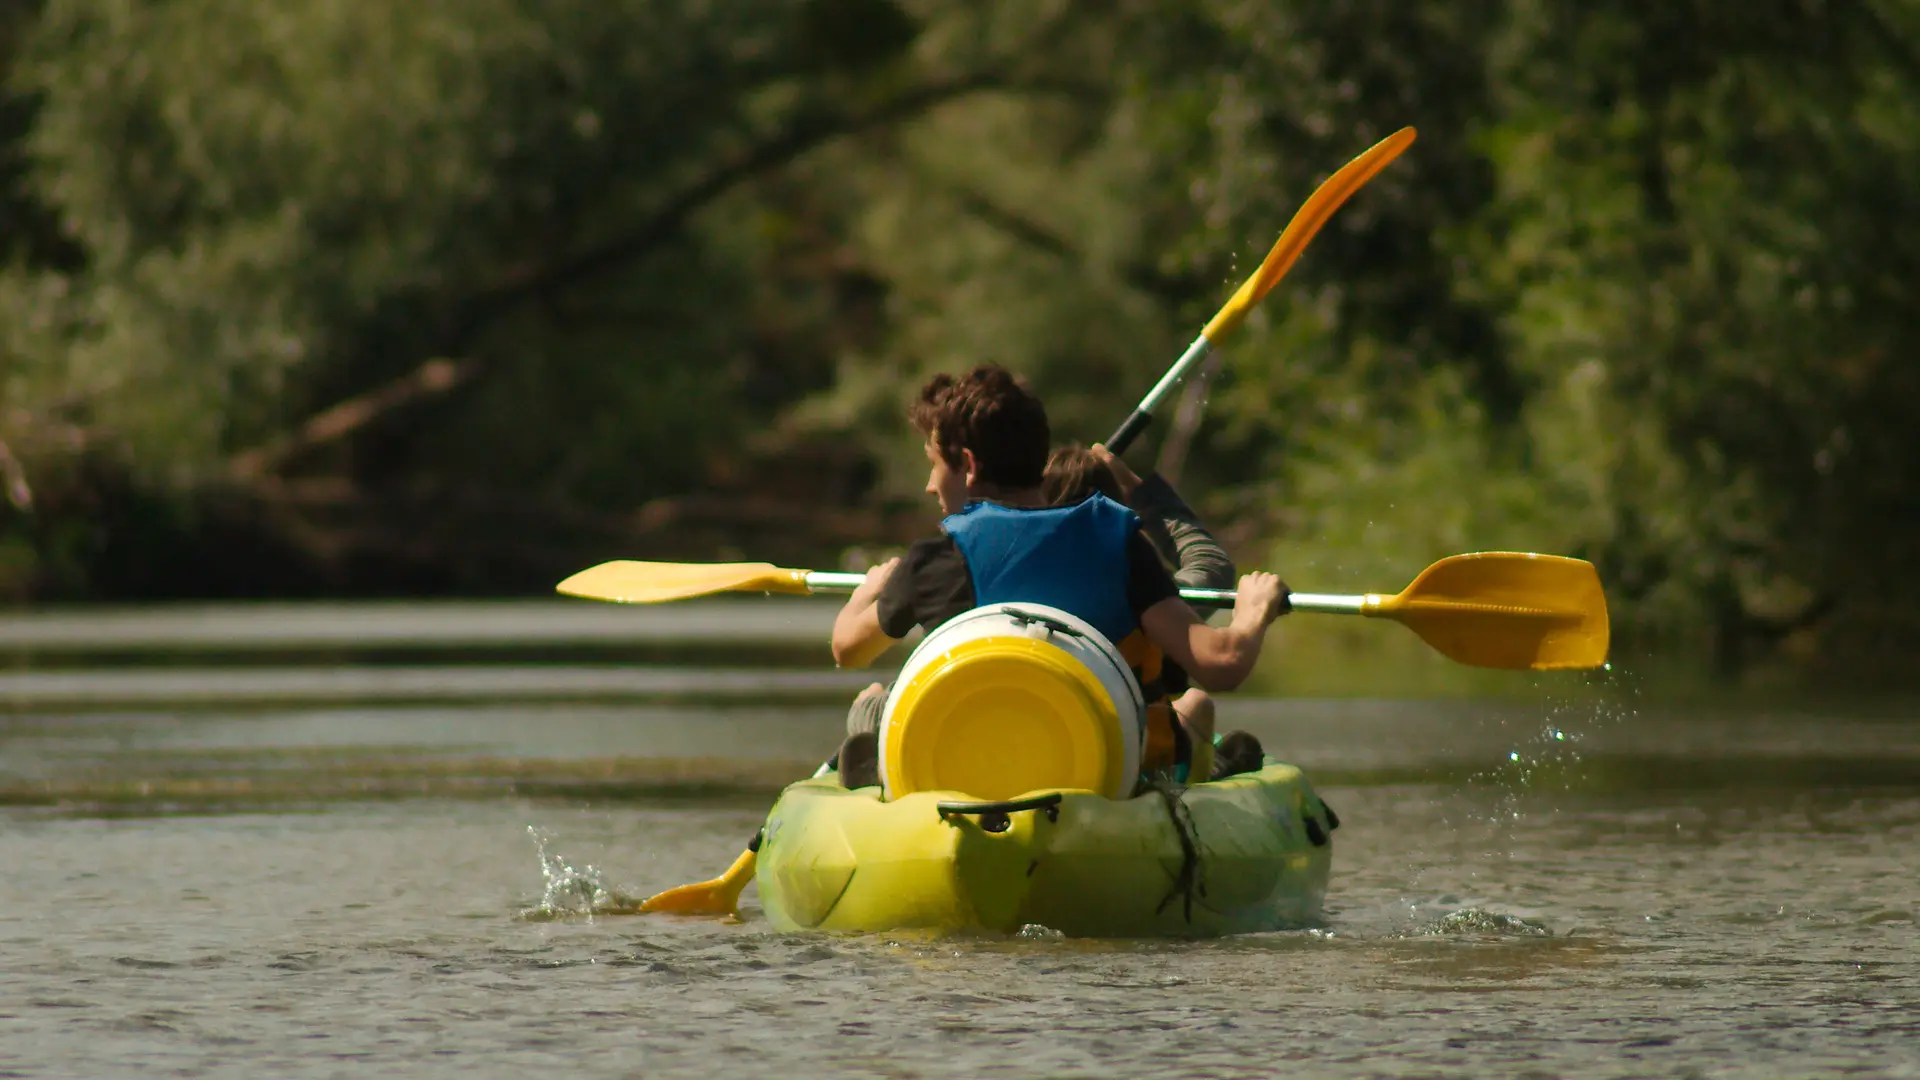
1249, 853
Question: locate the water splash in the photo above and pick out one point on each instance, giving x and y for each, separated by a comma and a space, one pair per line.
1480, 921
1550, 759
573, 893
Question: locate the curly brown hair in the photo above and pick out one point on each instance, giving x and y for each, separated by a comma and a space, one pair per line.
992, 413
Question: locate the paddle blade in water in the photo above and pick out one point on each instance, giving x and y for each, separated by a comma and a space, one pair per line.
721, 896
1315, 213
1503, 609
627, 582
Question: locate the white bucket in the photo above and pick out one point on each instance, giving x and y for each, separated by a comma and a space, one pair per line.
1011, 698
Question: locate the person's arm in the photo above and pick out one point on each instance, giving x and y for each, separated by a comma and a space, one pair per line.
1218, 658
1174, 529
858, 639
1199, 560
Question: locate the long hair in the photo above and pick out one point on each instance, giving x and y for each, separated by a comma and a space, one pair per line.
1073, 473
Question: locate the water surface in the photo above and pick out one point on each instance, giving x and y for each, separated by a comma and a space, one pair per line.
402, 863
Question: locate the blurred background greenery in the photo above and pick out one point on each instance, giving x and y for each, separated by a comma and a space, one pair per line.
307, 298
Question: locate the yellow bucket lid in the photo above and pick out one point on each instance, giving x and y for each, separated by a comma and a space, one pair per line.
995, 717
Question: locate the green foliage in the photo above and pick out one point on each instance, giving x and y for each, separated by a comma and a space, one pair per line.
406, 279
284, 204
1716, 234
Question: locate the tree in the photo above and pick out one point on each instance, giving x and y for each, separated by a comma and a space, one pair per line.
394, 272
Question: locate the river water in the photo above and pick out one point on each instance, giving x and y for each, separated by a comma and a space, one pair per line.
309, 844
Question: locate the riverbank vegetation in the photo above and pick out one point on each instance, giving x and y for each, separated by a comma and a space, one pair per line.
306, 298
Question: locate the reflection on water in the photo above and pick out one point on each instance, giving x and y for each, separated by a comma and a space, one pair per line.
446, 625
553, 682
334, 874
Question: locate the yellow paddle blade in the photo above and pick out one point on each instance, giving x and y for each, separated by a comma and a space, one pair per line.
721, 896
1505, 609
1314, 213
625, 581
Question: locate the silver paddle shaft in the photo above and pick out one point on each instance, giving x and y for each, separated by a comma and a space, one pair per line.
829, 581
1195, 353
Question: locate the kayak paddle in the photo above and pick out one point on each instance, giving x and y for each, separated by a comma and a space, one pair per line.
1497, 609
1314, 213
721, 896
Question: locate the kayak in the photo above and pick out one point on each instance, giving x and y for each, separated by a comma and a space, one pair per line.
1239, 855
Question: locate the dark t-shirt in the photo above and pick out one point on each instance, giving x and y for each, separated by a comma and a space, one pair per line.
932, 584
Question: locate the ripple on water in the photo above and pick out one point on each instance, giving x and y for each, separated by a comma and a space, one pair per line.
1676, 900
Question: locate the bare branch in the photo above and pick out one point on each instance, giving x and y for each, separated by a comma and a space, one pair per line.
1186, 421
781, 150
476, 310
433, 378
1140, 273
14, 476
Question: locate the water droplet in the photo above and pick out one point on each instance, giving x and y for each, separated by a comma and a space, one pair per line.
1514, 756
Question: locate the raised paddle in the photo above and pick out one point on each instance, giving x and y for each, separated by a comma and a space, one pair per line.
1497, 609
1314, 213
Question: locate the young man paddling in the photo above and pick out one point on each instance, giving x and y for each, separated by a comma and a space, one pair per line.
987, 447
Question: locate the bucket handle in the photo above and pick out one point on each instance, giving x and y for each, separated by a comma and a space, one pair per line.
1034, 618
993, 815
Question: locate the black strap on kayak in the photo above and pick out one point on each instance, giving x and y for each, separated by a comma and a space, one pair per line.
1190, 880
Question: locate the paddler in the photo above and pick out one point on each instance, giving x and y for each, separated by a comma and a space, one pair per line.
1197, 561
986, 440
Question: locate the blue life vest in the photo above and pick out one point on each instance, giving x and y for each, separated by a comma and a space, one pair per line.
1070, 557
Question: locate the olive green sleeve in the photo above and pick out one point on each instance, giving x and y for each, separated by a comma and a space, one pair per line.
1198, 559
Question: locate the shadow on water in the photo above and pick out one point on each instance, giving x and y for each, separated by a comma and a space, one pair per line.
240, 782
749, 743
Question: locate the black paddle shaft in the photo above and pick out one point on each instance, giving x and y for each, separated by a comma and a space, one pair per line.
1128, 431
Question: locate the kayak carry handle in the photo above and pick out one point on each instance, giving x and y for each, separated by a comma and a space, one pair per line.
993, 815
